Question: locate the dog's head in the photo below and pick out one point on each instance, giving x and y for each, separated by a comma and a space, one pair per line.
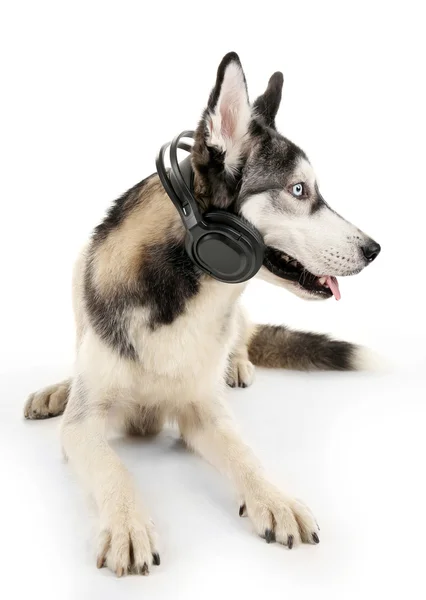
242, 164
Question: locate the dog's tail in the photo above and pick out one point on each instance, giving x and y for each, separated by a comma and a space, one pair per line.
280, 347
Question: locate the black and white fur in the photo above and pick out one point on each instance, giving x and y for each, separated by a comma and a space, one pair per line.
157, 340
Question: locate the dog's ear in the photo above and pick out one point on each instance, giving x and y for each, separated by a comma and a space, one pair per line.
228, 111
267, 104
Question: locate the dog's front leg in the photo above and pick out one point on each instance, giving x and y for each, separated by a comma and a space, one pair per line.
240, 371
127, 537
208, 428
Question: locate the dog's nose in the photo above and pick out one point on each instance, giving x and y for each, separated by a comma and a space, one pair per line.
371, 250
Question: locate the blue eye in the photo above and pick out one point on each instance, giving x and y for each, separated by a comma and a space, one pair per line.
298, 190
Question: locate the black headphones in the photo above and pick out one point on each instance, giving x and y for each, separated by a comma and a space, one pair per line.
218, 242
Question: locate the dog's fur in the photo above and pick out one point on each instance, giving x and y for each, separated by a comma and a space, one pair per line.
157, 340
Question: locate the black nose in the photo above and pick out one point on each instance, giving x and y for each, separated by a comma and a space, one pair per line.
371, 250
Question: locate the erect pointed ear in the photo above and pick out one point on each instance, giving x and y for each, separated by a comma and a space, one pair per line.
228, 111
267, 104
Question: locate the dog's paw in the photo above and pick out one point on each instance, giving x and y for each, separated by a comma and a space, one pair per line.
279, 518
127, 544
240, 373
48, 402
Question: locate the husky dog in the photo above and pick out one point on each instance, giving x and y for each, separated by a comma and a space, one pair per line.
158, 340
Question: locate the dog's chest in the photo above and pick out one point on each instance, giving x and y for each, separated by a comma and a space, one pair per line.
199, 341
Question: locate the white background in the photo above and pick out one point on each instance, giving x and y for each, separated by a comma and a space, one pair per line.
89, 91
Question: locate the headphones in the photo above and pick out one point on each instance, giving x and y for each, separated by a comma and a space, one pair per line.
220, 243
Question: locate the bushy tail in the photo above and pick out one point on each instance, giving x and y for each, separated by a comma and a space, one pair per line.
279, 347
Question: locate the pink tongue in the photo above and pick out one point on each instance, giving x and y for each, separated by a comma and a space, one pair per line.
334, 286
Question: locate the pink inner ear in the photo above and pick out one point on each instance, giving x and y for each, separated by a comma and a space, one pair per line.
228, 115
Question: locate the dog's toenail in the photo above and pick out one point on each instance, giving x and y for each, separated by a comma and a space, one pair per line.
269, 536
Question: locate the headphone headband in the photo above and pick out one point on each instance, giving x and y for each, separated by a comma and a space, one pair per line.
173, 180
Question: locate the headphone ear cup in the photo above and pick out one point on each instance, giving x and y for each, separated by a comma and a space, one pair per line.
239, 224
229, 248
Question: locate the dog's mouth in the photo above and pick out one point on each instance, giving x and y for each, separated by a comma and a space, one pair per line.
284, 266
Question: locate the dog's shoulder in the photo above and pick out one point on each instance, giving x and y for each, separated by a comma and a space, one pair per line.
137, 258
